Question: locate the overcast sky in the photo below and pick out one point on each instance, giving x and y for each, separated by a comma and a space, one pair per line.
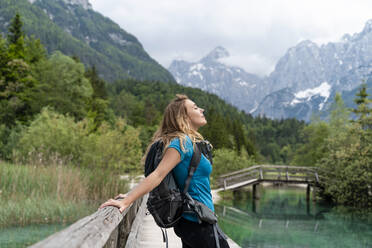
256, 33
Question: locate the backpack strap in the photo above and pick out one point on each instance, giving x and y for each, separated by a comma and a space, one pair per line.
192, 168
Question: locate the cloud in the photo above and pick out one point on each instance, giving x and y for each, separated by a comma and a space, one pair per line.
256, 33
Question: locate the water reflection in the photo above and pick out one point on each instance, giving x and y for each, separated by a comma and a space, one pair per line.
283, 218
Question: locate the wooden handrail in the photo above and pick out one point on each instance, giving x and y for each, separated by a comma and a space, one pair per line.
313, 169
106, 227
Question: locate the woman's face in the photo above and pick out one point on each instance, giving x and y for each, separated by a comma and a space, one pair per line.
195, 115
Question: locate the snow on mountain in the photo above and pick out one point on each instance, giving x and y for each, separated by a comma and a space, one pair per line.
323, 90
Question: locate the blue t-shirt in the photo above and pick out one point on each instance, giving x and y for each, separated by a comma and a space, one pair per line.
199, 188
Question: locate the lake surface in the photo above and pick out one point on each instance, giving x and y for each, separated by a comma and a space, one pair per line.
282, 218
16, 237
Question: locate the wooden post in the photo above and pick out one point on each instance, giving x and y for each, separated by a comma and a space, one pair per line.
314, 194
308, 188
256, 193
308, 207
316, 177
286, 174
255, 206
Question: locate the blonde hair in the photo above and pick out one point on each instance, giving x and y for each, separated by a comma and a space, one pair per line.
175, 124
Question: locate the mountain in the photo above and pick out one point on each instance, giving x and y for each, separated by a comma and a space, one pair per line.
74, 28
304, 81
312, 75
231, 83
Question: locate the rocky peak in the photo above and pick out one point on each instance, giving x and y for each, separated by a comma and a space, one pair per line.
307, 44
83, 3
368, 27
217, 53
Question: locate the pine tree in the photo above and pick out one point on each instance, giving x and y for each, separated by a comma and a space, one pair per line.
15, 30
98, 102
16, 81
98, 84
363, 110
16, 38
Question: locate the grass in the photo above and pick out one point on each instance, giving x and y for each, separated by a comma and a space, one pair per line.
53, 194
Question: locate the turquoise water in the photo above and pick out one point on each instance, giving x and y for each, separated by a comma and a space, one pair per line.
283, 218
16, 237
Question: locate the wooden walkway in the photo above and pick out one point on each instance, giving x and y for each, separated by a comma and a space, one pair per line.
145, 233
150, 236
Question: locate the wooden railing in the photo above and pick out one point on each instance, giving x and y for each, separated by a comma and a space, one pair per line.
269, 173
105, 228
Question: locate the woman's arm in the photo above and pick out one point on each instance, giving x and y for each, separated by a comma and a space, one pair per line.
170, 159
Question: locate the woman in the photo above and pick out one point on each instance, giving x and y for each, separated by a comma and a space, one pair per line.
179, 131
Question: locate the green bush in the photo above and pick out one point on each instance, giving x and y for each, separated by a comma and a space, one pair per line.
51, 138
227, 160
57, 139
117, 148
347, 168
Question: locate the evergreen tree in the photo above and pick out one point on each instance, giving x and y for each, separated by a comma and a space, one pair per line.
98, 84
16, 38
34, 50
4, 56
339, 117
363, 110
98, 103
16, 89
15, 30
16, 83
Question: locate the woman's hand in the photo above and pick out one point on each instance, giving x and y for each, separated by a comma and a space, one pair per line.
120, 196
121, 205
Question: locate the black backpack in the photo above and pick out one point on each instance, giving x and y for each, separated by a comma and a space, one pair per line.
166, 202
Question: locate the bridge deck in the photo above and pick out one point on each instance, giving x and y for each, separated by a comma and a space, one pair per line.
150, 235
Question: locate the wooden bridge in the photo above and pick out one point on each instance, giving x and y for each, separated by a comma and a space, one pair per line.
257, 174
133, 228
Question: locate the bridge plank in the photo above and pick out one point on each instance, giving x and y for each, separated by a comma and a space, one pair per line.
137, 224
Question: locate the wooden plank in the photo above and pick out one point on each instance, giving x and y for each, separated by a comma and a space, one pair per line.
150, 236
241, 184
137, 223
